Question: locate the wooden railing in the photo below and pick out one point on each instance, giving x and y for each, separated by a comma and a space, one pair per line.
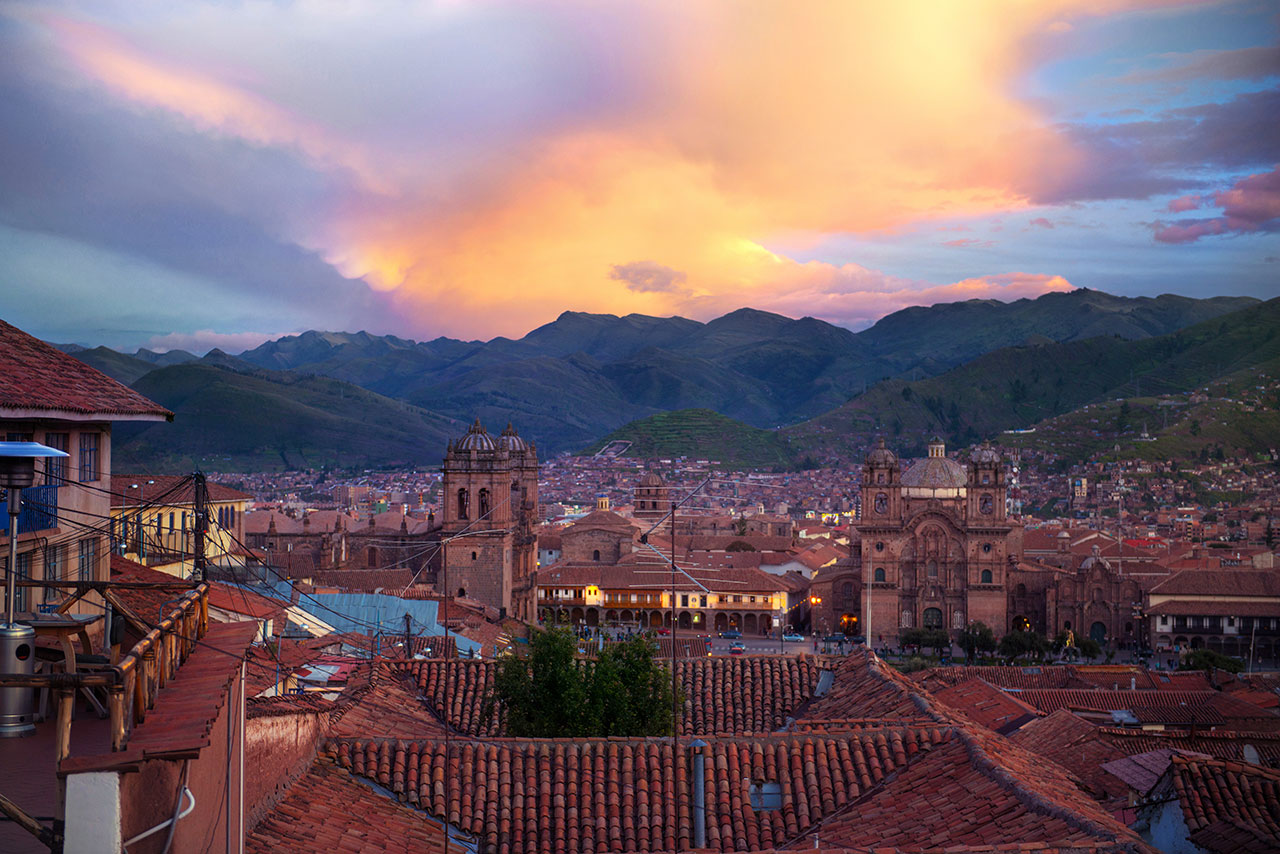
144, 670
132, 683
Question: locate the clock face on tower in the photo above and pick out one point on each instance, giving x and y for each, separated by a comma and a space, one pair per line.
986, 505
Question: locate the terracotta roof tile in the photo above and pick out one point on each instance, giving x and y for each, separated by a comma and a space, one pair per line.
37, 377
330, 810
1223, 800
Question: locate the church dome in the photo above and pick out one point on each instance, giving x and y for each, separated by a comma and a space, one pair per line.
880, 456
477, 439
936, 471
511, 441
651, 479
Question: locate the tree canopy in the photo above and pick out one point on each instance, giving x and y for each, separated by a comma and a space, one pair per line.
977, 638
553, 694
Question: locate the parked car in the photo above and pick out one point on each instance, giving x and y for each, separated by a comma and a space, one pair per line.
737, 649
731, 634
835, 637
792, 637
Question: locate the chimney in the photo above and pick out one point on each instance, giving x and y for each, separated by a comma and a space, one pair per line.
698, 747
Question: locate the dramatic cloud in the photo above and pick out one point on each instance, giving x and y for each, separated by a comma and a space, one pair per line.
474, 169
1253, 204
644, 276
1182, 204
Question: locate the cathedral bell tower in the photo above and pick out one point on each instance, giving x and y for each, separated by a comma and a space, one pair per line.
986, 495
881, 486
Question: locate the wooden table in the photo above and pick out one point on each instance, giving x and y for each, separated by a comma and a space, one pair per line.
63, 628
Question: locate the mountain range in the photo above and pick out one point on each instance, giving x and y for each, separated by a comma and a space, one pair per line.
581, 376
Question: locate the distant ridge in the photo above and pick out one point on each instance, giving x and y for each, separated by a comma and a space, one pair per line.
573, 380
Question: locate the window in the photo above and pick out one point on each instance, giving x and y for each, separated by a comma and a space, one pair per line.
986, 548
879, 547
171, 518
1164, 619
56, 467
464, 504
54, 559
89, 470
879, 573
932, 618
753, 599
484, 503
84, 564
684, 600
702, 601
986, 576
1231, 621
595, 555
932, 569
473, 555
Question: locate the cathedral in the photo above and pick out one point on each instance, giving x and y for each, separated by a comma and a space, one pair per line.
489, 546
934, 546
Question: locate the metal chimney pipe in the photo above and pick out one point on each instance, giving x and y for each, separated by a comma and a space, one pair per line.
698, 748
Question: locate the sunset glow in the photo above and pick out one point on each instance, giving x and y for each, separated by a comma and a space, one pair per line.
477, 168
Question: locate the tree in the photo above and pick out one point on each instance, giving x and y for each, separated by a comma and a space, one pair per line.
1017, 644
1207, 659
552, 694
977, 638
1089, 648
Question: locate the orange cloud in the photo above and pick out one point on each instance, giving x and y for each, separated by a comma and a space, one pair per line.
748, 120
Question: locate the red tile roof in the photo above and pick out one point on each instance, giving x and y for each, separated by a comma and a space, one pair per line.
1222, 744
1167, 707
330, 810
1216, 582
124, 495
1224, 803
1078, 746
38, 378
742, 694
622, 794
988, 705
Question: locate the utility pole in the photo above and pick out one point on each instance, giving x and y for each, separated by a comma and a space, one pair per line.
408, 635
202, 525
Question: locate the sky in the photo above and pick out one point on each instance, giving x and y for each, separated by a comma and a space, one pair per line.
192, 174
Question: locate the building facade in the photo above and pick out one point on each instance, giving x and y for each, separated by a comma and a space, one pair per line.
490, 502
50, 397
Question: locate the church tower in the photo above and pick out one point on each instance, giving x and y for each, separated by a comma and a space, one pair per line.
490, 500
653, 500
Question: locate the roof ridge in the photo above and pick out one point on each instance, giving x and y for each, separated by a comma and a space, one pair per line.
1025, 792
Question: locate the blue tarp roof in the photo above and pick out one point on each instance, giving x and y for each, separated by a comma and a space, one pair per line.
366, 613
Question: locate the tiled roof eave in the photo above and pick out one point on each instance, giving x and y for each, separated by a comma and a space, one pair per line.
30, 413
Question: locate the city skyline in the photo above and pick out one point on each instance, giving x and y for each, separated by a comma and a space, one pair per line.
196, 175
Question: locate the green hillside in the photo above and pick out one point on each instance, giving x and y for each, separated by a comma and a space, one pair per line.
703, 435
1240, 418
225, 420
1016, 387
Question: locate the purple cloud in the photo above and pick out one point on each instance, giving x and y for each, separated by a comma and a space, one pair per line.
1041, 222
1252, 204
1182, 204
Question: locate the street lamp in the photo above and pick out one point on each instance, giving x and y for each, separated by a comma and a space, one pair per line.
17, 642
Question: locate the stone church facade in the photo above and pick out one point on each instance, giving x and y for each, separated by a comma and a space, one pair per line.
490, 500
